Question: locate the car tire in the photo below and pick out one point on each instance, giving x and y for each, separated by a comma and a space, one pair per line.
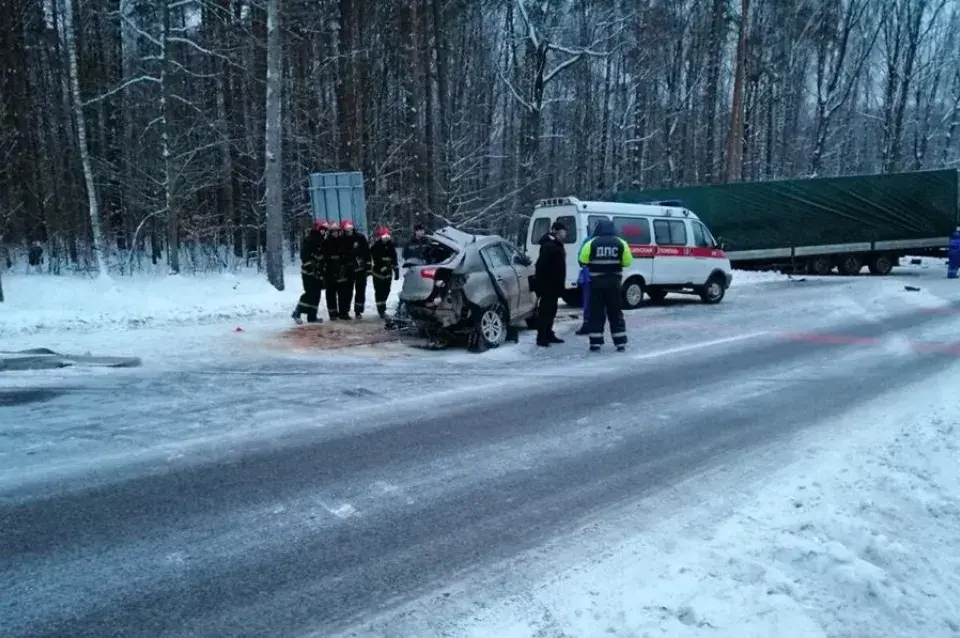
632, 293
490, 329
714, 291
656, 295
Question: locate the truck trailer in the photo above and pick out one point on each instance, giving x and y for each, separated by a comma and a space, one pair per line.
816, 225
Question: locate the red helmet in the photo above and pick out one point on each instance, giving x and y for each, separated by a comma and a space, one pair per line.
320, 225
333, 226
346, 225
383, 233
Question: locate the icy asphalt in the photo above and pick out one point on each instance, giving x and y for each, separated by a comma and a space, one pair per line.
242, 491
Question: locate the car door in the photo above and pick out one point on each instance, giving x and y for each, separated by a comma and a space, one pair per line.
702, 251
504, 276
525, 270
672, 259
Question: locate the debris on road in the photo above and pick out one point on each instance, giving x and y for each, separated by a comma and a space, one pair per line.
331, 335
46, 359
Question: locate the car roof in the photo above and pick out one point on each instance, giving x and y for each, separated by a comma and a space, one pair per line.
451, 235
652, 209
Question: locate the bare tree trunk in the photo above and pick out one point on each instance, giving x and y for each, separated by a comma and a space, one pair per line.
273, 176
734, 160
98, 242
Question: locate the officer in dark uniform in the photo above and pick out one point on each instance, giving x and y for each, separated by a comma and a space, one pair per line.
333, 268
385, 266
312, 272
606, 255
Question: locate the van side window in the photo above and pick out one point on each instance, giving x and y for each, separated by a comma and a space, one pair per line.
570, 223
670, 232
592, 222
633, 230
700, 236
541, 226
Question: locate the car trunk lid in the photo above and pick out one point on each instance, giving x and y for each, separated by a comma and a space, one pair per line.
445, 256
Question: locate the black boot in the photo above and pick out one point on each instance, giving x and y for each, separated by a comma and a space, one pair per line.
556, 339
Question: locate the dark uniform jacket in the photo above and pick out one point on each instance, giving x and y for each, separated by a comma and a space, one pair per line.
357, 250
605, 253
551, 268
312, 255
384, 257
415, 248
333, 258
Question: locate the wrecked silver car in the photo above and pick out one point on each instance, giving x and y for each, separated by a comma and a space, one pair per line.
477, 287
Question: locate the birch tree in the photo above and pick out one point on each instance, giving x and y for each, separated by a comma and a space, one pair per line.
273, 172
98, 241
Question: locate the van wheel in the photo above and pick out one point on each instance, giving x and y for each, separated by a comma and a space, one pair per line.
656, 295
714, 291
632, 293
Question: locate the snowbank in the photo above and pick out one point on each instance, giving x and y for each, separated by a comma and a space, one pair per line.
47, 303
857, 539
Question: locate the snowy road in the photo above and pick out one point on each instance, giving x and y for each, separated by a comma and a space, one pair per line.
252, 501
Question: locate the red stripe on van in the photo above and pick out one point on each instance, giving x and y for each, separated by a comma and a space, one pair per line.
652, 250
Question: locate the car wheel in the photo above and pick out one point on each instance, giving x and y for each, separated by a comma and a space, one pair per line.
714, 291
491, 328
633, 293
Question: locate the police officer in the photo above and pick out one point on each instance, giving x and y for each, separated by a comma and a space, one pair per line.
606, 255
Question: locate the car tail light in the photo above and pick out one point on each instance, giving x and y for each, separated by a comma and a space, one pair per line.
428, 273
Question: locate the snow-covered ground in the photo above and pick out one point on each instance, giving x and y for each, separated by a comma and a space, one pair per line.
45, 304
852, 530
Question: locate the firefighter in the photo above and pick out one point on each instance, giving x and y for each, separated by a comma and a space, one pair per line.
311, 272
345, 276
606, 255
385, 265
358, 251
333, 265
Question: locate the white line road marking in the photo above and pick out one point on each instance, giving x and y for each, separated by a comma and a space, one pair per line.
699, 345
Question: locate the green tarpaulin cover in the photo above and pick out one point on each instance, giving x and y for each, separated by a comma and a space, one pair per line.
810, 212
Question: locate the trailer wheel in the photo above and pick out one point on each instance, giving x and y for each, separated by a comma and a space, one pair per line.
820, 266
850, 265
880, 265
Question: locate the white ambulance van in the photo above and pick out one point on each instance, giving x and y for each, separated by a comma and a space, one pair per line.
673, 251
